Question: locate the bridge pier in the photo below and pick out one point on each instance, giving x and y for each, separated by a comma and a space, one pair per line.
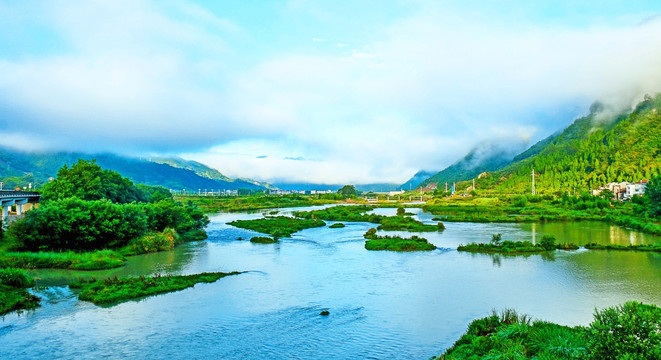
17, 198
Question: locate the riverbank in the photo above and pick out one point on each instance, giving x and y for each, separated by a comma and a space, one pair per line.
518, 209
627, 331
13, 291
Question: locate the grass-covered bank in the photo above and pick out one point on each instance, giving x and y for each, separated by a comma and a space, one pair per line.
629, 331
110, 291
95, 260
13, 291
396, 243
497, 245
278, 226
534, 208
257, 202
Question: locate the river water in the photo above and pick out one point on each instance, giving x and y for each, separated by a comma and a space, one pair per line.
382, 305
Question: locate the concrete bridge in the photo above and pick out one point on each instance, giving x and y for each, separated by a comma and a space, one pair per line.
18, 198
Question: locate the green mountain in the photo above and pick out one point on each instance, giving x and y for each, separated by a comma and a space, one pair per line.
20, 168
418, 178
486, 156
593, 151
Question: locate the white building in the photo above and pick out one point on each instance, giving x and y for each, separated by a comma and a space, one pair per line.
635, 189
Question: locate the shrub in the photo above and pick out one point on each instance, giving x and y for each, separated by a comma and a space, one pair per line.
15, 278
629, 331
495, 238
548, 242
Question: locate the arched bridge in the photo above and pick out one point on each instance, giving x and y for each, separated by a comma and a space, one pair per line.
18, 198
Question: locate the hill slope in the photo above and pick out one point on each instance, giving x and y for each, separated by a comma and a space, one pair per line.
20, 168
487, 156
592, 152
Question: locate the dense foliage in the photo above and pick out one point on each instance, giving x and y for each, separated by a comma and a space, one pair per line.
13, 293
87, 208
75, 224
630, 331
263, 240
116, 290
256, 202
278, 226
86, 180
653, 196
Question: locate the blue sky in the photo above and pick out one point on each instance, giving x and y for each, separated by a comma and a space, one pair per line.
317, 91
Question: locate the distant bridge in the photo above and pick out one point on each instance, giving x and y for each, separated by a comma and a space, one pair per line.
18, 198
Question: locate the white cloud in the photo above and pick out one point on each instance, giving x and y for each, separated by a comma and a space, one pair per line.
137, 76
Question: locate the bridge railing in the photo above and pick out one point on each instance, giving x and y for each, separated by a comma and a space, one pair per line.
11, 194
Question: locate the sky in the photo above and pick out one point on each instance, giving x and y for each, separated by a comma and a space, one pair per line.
341, 91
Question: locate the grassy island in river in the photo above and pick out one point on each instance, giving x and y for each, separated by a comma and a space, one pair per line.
396, 243
110, 291
277, 226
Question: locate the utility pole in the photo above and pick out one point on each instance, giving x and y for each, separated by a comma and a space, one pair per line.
1, 183
446, 186
533, 181
473, 184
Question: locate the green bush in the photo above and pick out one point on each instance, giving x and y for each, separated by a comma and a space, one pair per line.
548, 242
629, 331
15, 278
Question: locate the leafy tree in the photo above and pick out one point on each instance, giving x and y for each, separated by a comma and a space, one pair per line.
347, 191
87, 181
629, 331
653, 195
401, 211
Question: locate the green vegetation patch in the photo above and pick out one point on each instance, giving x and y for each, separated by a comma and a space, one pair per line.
257, 202
396, 243
13, 293
263, 240
651, 247
110, 291
337, 226
360, 213
153, 242
629, 331
97, 260
279, 226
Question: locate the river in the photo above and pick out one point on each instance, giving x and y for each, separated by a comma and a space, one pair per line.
382, 305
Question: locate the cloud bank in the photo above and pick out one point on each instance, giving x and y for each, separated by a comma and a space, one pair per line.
139, 77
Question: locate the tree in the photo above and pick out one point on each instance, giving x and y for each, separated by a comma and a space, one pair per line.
653, 195
401, 211
347, 191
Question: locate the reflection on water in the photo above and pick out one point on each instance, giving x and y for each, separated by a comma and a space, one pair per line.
382, 304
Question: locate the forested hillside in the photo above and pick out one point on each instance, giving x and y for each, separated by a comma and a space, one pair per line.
592, 152
487, 156
20, 168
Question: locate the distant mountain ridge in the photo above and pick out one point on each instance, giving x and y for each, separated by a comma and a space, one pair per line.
20, 168
486, 156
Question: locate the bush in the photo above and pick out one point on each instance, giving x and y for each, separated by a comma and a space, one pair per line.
519, 201
15, 278
495, 238
629, 331
548, 242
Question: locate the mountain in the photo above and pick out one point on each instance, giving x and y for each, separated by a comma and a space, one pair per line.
207, 172
419, 177
599, 148
486, 156
20, 168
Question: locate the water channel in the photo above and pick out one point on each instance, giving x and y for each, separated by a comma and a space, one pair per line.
383, 305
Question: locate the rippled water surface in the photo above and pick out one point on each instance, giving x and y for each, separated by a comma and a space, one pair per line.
382, 304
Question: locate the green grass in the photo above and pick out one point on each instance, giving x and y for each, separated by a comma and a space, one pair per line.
628, 331
337, 226
279, 226
512, 336
254, 202
263, 240
651, 247
396, 243
97, 260
506, 247
111, 291
361, 213
13, 293
152, 242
